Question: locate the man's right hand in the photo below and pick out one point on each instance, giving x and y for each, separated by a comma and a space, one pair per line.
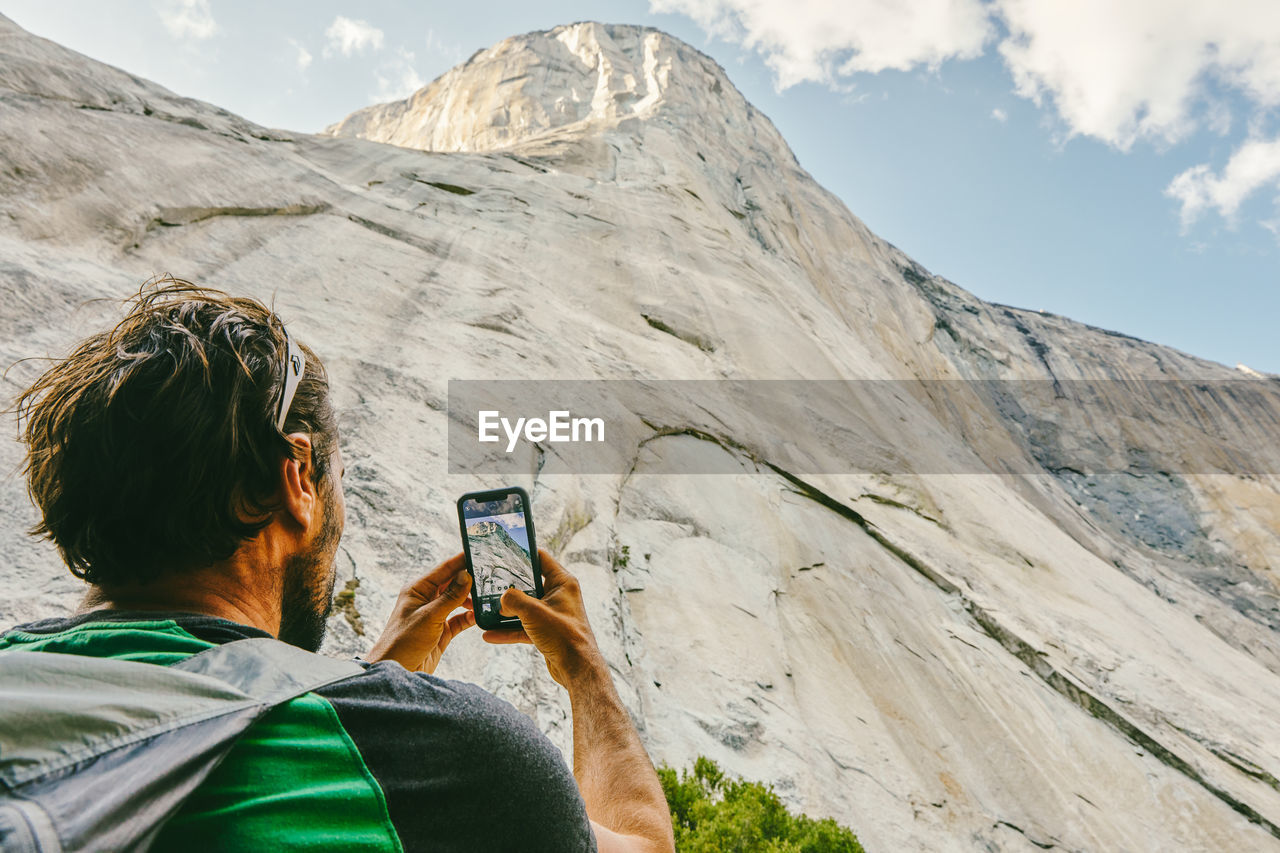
555, 624
620, 789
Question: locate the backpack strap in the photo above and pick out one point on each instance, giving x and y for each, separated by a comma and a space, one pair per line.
268, 669
104, 751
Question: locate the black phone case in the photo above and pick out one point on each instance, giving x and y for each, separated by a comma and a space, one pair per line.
492, 494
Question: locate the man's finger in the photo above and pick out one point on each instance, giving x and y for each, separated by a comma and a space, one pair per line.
456, 592
554, 573
517, 602
457, 623
506, 636
426, 586
449, 599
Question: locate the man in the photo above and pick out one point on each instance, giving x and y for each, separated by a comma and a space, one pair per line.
186, 465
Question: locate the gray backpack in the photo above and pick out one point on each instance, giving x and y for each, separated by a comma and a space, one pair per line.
96, 753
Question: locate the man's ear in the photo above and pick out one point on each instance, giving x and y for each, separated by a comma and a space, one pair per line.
299, 498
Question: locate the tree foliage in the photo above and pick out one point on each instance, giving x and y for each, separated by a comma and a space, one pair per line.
713, 813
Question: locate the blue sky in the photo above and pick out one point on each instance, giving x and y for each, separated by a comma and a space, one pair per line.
1116, 161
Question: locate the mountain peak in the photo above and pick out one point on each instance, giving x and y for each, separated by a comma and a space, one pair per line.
586, 77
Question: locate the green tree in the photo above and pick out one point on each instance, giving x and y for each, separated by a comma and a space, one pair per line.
713, 813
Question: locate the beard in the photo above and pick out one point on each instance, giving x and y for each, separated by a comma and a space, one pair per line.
307, 596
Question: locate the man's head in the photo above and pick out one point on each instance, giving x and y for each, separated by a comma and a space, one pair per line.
153, 452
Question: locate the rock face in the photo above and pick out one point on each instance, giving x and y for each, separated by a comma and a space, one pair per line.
1041, 655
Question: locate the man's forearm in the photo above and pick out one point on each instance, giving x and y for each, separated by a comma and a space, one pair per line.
619, 786
616, 777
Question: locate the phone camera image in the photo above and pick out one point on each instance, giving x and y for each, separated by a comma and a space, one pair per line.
497, 534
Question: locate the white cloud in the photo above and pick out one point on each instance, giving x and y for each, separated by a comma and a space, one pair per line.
397, 77
1120, 72
823, 40
1116, 71
999, 115
187, 18
1253, 166
303, 57
1156, 70
1139, 69
350, 37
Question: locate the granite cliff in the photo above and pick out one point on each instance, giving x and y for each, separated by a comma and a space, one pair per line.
1031, 654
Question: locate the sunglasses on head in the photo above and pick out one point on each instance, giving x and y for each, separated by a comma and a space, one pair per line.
295, 364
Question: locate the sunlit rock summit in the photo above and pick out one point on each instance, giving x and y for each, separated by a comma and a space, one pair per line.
1032, 654
571, 81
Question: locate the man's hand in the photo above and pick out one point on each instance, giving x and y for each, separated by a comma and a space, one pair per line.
620, 789
555, 624
420, 627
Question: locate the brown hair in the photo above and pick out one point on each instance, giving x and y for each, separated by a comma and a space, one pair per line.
153, 447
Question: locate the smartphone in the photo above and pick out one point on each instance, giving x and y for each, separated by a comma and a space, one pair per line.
497, 539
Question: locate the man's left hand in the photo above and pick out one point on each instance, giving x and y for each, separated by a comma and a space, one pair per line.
421, 627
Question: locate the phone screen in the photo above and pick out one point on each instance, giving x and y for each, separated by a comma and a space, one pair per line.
498, 537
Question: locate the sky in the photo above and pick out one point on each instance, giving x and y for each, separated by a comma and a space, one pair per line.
1114, 161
